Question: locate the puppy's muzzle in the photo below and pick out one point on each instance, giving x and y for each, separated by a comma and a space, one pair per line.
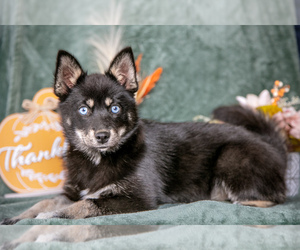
102, 136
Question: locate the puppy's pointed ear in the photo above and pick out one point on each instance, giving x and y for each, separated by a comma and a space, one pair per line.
123, 69
67, 73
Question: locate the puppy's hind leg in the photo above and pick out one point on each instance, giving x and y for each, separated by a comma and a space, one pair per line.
223, 193
42, 206
251, 176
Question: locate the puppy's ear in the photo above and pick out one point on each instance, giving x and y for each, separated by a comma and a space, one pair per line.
67, 72
123, 69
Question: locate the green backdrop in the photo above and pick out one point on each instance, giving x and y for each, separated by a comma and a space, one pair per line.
204, 66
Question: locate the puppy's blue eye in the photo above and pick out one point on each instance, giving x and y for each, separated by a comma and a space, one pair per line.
115, 109
83, 110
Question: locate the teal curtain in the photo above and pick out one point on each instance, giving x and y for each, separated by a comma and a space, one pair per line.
204, 66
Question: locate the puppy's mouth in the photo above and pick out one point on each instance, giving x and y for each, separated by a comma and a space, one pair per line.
103, 148
100, 141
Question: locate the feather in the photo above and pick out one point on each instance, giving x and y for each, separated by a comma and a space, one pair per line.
138, 63
147, 84
111, 16
110, 43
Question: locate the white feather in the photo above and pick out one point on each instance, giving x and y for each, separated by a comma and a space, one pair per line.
110, 43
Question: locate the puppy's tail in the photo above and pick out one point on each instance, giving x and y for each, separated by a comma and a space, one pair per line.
255, 122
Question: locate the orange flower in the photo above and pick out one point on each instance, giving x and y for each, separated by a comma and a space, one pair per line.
278, 91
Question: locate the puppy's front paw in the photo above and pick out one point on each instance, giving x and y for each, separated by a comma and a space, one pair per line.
45, 238
47, 215
8, 246
9, 221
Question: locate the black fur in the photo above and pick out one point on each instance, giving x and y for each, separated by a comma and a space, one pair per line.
172, 162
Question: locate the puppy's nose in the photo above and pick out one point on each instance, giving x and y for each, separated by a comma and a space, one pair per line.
102, 137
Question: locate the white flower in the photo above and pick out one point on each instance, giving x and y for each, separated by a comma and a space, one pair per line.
255, 101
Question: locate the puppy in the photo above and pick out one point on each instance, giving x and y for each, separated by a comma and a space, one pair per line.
118, 163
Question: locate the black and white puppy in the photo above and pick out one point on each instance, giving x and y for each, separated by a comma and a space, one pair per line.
118, 163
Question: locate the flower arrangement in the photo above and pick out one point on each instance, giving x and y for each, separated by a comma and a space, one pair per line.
280, 108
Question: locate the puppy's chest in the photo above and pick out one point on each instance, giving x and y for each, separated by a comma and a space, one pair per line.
97, 187
92, 182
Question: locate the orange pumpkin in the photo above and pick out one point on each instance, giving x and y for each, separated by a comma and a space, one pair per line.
31, 146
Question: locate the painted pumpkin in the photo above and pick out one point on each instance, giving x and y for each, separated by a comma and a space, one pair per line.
31, 146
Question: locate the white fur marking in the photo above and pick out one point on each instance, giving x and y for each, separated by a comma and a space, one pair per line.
45, 237
79, 133
91, 134
85, 142
46, 215
84, 192
68, 121
90, 103
97, 159
129, 117
218, 194
113, 188
121, 131
230, 195
108, 101
222, 192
